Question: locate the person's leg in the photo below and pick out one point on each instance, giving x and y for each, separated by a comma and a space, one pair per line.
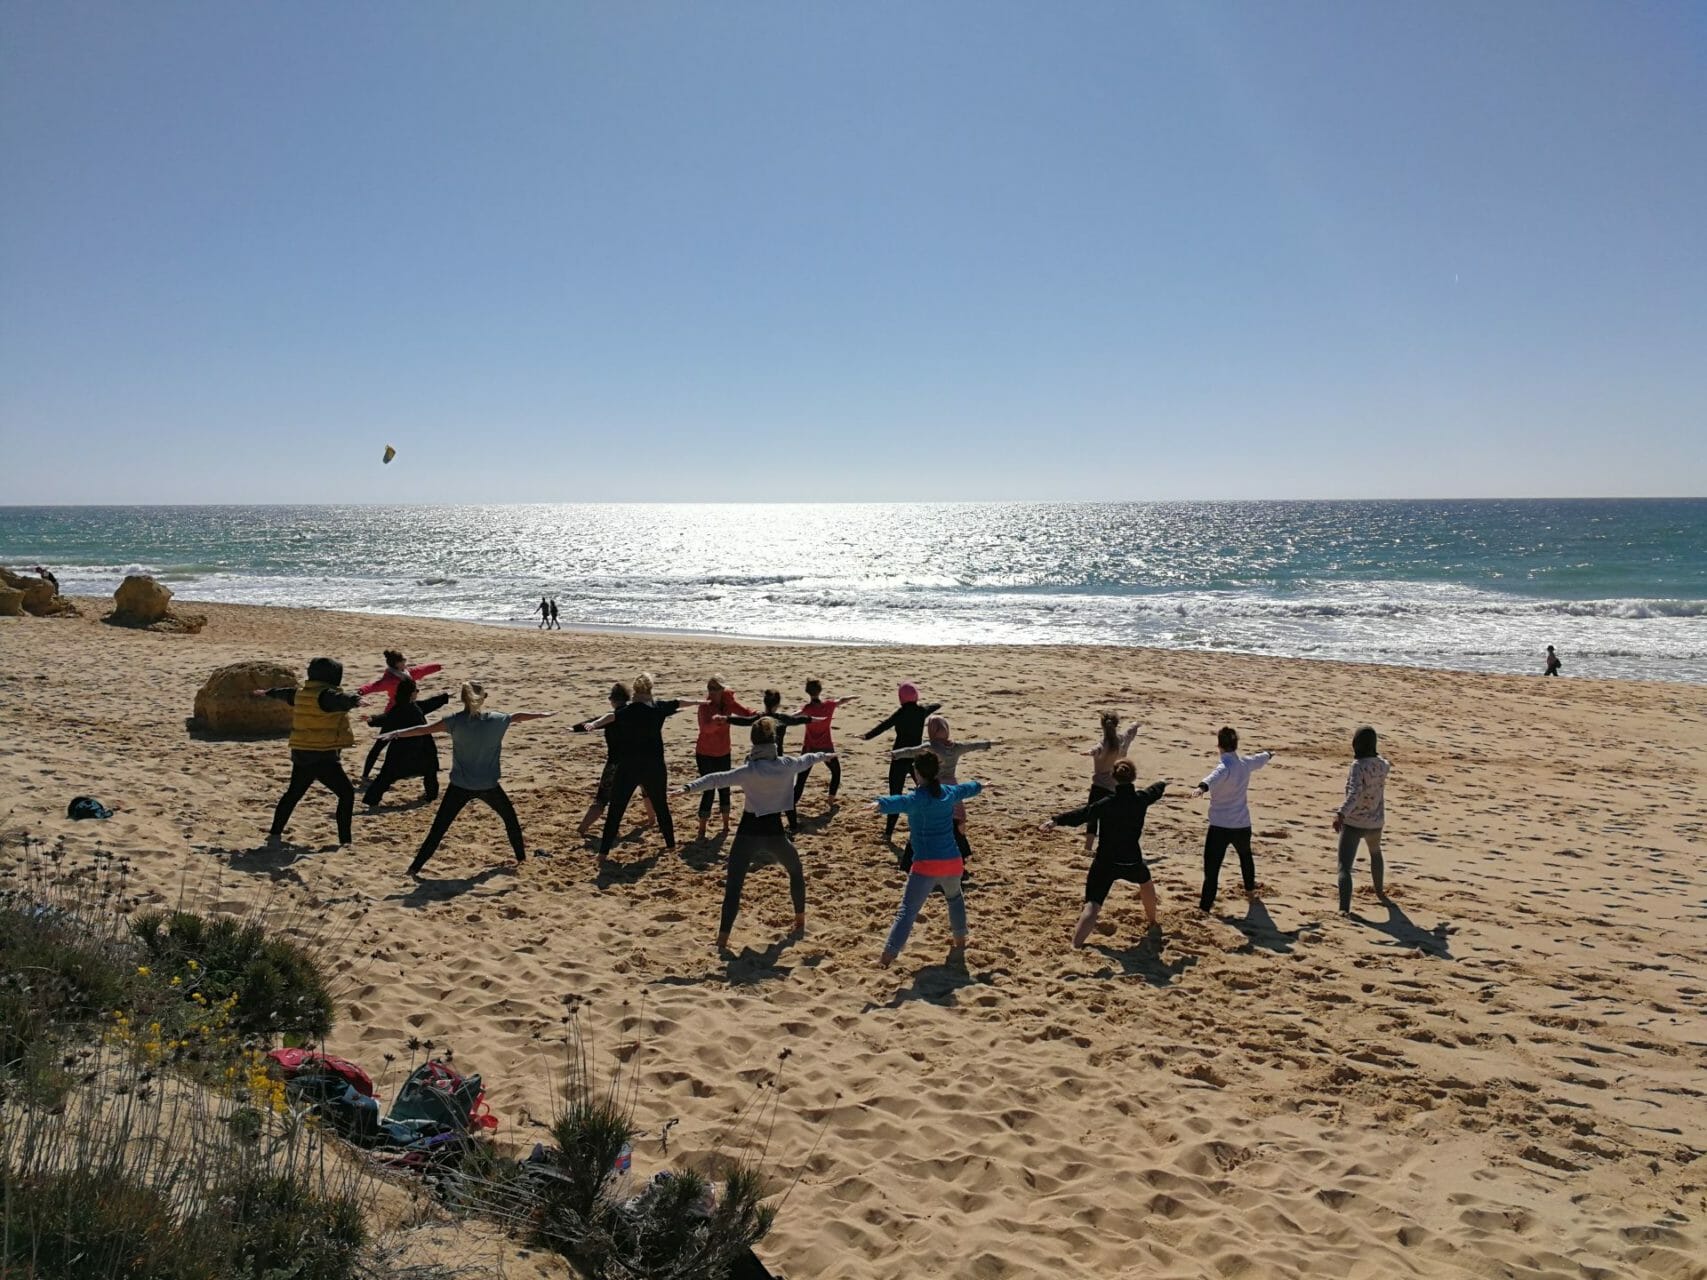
734, 878
1147, 895
899, 772
301, 778
1247, 863
657, 786
800, 784
500, 804
789, 856
834, 765
378, 787
1348, 859
331, 772
449, 807
1214, 850
960, 840
705, 765
601, 798
1087, 922
1097, 884
430, 786
912, 898
372, 755
622, 787
950, 886
1377, 866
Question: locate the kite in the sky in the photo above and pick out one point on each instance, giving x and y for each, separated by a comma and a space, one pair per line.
390, 453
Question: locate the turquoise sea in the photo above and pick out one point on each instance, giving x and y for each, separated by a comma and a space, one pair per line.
1619, 586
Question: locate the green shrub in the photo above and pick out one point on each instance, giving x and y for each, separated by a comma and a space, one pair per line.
279, 987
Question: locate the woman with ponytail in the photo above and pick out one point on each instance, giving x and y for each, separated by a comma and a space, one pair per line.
1107, 753
937, 862
476, 745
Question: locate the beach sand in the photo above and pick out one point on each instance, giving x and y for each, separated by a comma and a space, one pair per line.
1502, 1073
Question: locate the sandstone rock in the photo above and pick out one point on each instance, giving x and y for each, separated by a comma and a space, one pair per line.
140, 601
11, 602
39, 593
225, 704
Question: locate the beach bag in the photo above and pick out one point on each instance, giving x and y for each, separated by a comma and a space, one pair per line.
437, 1093
295, 1062
352, 1114
87, 807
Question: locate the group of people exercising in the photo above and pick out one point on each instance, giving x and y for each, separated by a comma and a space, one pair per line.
923, 752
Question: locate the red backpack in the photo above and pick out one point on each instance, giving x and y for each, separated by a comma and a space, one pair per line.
296, 1062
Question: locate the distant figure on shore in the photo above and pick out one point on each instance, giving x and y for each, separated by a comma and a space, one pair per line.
619, 698
1104, 756
476, 765
767, 784
544, 612
711, 750
416, 758
555, 624
1120, 827
1363, 814
936, 856
46, 575
948, 753
396, 670
1553, 664
1229, 814
819, 711
319, 730
908, 722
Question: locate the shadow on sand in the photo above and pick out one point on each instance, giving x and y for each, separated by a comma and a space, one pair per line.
428, 890
1144, 960
745, 968
1261, 932
1405, 932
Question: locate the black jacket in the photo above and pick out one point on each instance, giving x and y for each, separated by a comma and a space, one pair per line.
1119, 818
410, 757
908, 721
636, 736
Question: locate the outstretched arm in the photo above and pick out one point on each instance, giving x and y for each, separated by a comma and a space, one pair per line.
885, 727
517, 717
587, 726
418, 731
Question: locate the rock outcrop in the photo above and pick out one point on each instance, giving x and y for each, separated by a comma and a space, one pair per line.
140, 601
39, 597
226, 705
11, 602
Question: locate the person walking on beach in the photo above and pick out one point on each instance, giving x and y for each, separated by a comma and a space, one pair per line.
555, 624
948, 753
711, 750
619, 698
638, 745
908, 722
937, 863
1120, 856
416, 758
1104, 756
319, 731
544, 612
397, 669
819, 711
767, 785
1553, 663
1229, 814
476, 766
1363, 814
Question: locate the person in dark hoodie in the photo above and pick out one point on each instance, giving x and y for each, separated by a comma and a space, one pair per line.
637, 744
319, 730
413, 757
1119, 819
908, 722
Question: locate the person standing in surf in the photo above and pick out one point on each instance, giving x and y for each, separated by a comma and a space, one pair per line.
1228, 786
767, 785
1554, 666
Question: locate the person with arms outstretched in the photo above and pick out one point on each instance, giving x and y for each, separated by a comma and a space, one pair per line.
908, 722
1228, 786
319, 732
937, 865
1119, 856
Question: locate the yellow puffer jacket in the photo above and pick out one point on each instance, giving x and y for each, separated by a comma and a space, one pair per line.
312, 729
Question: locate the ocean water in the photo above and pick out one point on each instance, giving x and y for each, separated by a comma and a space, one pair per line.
1619, 586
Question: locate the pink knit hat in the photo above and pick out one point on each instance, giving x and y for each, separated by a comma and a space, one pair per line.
909, 691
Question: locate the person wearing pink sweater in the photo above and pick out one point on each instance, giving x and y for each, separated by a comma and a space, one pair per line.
396, 669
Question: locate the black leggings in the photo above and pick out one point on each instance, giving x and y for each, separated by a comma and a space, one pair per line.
835, 767
372, 755
1098, 792
899, 773
712, 764
760, 837
456, 799
389, 778
651, 777
307, 768
1215, 849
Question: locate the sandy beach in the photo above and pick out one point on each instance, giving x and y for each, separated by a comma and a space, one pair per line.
1501, 1073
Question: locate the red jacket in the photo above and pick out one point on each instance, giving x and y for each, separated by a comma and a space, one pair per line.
388, 682
713, 733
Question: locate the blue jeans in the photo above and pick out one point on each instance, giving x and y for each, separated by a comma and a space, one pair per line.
913, 897
1349, 838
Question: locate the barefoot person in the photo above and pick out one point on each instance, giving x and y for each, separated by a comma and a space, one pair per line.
767, 785
1120, 827
638, 744
711, 751
476, 750
1553, 664
819, 711
936, 857
1229, 814
908, 722
319, 730
1363, 814
1104, 756
619, 697
397, 669
948, 753
416, 758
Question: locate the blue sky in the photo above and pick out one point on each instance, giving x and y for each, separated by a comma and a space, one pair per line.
571, 252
